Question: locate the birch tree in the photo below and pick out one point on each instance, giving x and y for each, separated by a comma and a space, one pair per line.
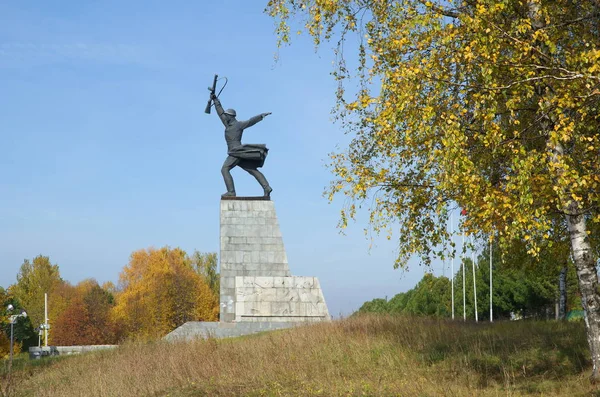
489, 106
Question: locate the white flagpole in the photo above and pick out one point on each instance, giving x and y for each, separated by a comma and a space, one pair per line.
452, 263
46, 319
462, 257
474, 281
491, 310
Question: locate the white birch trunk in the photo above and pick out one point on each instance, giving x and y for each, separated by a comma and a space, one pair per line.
585, 264
588, 284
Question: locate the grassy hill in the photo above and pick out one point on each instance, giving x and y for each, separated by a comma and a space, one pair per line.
363, 356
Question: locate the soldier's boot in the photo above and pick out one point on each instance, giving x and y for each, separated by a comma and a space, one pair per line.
268, 191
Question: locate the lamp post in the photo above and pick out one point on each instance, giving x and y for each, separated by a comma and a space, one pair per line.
13, 319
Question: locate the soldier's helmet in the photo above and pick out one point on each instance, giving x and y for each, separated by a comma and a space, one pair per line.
230, 112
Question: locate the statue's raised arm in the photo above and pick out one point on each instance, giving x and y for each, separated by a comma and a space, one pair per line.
219, 108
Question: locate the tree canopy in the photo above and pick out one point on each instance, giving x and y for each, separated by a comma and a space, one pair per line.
159, 291
86, 319
36, 278
451, 111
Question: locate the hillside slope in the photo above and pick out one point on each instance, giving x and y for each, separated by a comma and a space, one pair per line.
366, 355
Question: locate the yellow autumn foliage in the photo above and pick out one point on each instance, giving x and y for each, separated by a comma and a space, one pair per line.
5, 346
462, 105
159, 291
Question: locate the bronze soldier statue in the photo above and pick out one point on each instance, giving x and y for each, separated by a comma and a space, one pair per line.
250, 156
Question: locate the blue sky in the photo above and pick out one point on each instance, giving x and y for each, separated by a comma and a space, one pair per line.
106, 148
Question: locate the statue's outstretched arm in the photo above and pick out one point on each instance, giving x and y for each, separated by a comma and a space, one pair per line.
254, 120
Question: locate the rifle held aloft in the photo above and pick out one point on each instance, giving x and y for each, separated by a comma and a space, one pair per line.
212, 91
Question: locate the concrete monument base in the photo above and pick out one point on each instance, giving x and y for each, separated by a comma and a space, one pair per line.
293, 298
256, 282
258, 292
204, 330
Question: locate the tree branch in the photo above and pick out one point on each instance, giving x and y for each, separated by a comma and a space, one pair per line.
505, 33
440, 10
574, 21
571, 77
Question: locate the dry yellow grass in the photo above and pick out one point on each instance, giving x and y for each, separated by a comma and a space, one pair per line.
364, 356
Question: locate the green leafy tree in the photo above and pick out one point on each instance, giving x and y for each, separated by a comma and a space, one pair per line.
524, 285
205, 264
520, 288
377, 305
399, 302
515, 292
33, 280
24, 335
488, 105
431, 297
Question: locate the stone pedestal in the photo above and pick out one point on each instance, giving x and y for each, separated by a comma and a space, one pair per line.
256, 282
258, 292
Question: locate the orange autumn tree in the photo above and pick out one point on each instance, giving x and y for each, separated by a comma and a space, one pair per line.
86, 319
59, 300
159, 291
